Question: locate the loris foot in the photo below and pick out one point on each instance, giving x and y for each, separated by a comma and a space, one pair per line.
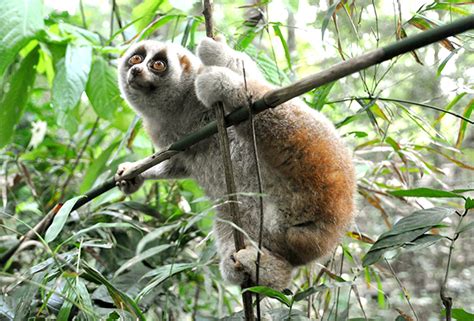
275, 272
127, 186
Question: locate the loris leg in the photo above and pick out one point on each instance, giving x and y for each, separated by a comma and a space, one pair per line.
275, 272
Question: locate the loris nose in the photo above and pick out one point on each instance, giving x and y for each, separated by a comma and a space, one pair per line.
136, 70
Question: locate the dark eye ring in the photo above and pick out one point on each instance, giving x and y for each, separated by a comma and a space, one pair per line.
135, 59
159, 65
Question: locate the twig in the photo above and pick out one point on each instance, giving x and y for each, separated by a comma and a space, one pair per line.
229, 174
207, 13
83, 16
338, 291
406, 102
405, 293
447, 300
258, 173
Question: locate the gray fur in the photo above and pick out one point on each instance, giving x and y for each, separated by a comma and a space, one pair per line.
179, 103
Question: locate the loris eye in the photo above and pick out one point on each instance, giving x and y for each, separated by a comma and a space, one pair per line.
159, 66
136, 59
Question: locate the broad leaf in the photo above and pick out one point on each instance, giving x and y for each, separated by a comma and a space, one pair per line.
70, 81
14, 100
20, 20
102, 89
427, 218
409, 231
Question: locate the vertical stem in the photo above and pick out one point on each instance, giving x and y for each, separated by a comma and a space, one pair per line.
447, 300
229, 173
405, 293
260, 196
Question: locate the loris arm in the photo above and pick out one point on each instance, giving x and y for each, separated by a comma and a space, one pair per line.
215, 53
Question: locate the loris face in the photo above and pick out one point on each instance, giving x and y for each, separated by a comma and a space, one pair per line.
154, 69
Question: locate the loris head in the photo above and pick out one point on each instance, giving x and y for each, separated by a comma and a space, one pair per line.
151, 72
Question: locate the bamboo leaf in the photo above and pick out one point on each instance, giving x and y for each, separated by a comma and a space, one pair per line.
163, 273
462, 128
142, 256
279, 34
121, 299
424, 192
271, 293
146, 11
13, 101
60, 219
327, 17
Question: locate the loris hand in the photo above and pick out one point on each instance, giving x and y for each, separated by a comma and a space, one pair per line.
128, 186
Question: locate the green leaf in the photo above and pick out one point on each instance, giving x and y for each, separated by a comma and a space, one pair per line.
100, 226
315, 289
424, 192
423, 241
60, 219
163, 273
462, 129
20, 20
462, 315
14, 100
328, 16
121, 299
448, 7
406, 232
320, 95
142, 256
96, 168
70, 81
469, 203
145, 12
155, 234
156, 24
427, 218
271, 293
444, 62
102, 89
279, 34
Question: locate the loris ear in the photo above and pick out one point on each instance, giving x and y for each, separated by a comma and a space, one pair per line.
185, 63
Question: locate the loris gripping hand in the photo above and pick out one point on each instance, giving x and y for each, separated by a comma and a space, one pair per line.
128, 186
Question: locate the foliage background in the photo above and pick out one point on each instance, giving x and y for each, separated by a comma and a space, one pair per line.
64, 128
